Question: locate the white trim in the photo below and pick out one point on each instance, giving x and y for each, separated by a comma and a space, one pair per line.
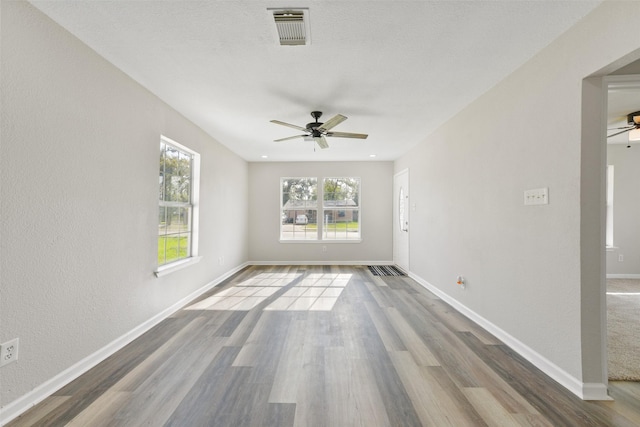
594, 391
44, 390
175, 266
320, 209
585, 391
194, 204
623, 276
324, 242
341, 262
398, 230
609, 215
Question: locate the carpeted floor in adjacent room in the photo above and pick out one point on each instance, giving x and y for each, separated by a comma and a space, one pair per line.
623, 327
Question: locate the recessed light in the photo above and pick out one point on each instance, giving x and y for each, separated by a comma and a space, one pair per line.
264, 156
372, 155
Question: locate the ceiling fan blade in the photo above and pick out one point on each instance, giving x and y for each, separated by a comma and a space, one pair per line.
322, 143
288, 138
347, 135
618, 133
278, 122
332, 122
623, 127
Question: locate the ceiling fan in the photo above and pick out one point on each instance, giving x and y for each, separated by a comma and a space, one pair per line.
633, 120
318, 130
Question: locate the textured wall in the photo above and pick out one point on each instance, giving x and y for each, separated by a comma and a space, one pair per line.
523, 264
79, 173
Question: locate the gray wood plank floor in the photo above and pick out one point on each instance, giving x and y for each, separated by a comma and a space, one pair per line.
322, 346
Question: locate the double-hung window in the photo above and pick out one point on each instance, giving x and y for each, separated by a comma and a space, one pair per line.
299, 207
609, 222
178, 195
341, 208
320, 209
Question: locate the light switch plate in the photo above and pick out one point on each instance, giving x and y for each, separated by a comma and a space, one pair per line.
536, 196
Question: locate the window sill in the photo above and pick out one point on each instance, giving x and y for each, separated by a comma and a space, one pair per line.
324, 242
610, 248
175, 266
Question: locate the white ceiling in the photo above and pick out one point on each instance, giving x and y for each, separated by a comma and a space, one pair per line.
396, 69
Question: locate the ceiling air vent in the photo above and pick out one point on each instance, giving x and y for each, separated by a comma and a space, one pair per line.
292, 27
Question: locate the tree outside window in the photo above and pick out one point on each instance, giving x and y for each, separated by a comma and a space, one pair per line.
329, 212
299, 205
341, 208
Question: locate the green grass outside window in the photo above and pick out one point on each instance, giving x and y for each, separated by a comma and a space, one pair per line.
171, 248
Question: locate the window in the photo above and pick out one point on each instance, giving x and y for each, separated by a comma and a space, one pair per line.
178, 195
329, 212
341, 209
609, 224
401, 210
299, 203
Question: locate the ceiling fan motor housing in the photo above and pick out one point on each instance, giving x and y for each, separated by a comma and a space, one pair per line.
313, 125
634, 119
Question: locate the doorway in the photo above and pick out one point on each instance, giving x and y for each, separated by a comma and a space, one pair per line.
401, 219
593, 162
622, 233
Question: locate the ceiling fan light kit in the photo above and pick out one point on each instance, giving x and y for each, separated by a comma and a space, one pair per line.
633, 122
317, 131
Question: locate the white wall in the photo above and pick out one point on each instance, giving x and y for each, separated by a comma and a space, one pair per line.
79, 171
376, 213
525, 266
626, 210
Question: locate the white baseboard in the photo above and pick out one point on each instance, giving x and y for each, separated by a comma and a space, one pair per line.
623, 276
342, 262
41, 392
585, 391
594, 391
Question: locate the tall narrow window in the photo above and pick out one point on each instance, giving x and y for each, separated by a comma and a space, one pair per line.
609, 223
177, 218
299, 207
341, 208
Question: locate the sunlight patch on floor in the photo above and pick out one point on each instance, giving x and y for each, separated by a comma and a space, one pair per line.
315, 292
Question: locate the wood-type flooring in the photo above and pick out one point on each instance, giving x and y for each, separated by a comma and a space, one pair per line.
321, 346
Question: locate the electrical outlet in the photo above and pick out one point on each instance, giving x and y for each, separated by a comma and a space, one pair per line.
324, 249
620, 258
9, 352
221, 260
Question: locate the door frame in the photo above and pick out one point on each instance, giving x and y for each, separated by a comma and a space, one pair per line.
401, 236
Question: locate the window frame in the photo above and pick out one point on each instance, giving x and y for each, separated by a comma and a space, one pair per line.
193, 205
341, 208
609, 211
319, 209
306, 207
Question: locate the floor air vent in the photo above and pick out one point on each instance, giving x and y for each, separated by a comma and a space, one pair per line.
386, 270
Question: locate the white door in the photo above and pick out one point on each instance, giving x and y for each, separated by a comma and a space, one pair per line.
401, 219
